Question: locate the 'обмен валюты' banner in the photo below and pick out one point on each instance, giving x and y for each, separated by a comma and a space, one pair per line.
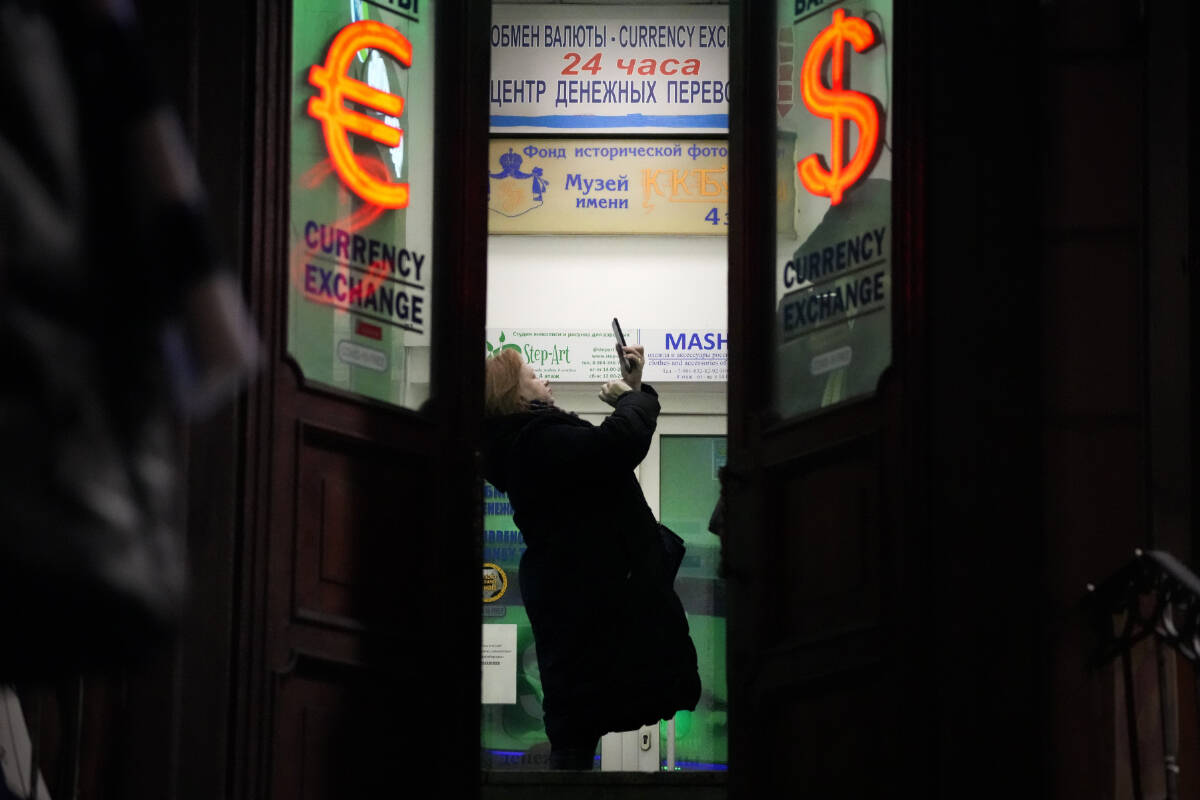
610, 69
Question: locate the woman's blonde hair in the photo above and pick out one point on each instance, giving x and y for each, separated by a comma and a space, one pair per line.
502, 384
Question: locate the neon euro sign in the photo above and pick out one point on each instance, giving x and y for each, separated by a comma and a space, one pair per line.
337, 121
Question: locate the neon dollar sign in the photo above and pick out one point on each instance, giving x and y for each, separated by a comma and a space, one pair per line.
839, 105
337, 121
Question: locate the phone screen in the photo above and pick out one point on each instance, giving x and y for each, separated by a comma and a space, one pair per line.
621, 345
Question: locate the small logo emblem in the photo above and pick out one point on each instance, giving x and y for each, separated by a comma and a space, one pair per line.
512, 192
495, 582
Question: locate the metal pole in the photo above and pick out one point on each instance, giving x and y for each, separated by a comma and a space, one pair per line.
671, 745
71, 747
35, 729
1135, 760
1169, 706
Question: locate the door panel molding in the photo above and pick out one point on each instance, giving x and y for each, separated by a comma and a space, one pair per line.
333, 726
357, 503
363, 522
836, 428
807, 666
816, 504
823, 515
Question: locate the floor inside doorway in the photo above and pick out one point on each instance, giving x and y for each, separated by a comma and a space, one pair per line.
602, 785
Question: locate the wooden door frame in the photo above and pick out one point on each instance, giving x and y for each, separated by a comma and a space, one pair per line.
453, 415
892, 413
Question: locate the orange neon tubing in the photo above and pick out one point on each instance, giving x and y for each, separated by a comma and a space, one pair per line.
839, 106
337, 121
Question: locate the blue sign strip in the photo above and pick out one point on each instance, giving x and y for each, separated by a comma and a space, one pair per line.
720, 121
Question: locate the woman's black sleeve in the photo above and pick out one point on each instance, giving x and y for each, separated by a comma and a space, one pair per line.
621, 441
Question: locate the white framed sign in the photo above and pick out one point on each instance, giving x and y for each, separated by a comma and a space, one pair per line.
610, 69
608, 186
699, 355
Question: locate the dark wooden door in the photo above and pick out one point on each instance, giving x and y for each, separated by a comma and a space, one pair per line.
359, 626
816, 501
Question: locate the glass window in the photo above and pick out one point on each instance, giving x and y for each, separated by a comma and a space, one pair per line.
360, 233
834, 214
679, 477
688, 492
512, 736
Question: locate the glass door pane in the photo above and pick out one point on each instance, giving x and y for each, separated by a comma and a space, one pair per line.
361, 262
511, 734
834, 202
688, 492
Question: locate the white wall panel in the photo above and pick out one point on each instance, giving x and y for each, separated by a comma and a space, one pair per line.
584, 281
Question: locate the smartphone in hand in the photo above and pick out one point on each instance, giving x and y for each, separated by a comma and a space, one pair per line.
628, 367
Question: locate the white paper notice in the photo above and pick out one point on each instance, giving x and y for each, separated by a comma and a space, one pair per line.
499, 663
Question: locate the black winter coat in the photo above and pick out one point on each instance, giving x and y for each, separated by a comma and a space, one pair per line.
612, 640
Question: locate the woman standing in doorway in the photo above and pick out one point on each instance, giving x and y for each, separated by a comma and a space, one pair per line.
612, 640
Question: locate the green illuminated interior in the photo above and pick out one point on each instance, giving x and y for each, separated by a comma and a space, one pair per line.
688, 491
511, 735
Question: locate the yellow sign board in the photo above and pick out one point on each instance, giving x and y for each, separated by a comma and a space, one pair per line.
608, 186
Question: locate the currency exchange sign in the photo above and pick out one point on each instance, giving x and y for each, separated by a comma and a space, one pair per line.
839, 105
360, 261
337, 120
833, 254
